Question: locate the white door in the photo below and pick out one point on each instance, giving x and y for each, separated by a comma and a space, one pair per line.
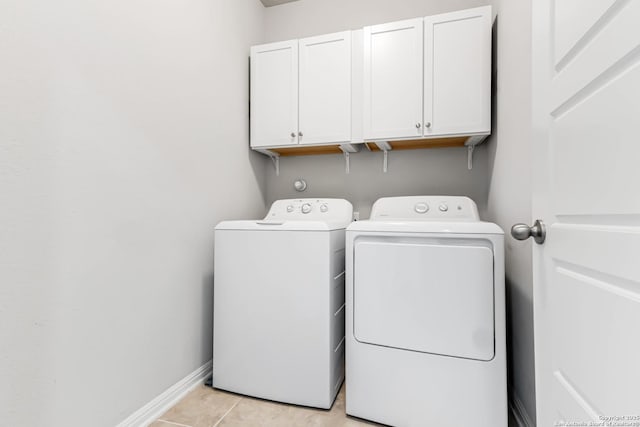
586, 92
325, 89
274, 94
409, 292
457, 76
393, 80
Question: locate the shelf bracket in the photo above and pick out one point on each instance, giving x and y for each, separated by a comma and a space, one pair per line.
276, 163
347, 149
385, 148
470, 149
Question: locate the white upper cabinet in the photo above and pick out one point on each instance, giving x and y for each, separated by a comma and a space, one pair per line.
420, 79
393, 61
457, 76
325, 89
428, 77
274, 94
301, 91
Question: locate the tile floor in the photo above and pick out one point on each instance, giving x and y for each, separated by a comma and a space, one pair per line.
206, 407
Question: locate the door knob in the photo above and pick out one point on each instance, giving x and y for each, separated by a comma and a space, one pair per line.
293, 134
523, 232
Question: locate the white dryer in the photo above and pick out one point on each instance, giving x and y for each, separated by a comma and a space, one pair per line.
425, 328
279, 303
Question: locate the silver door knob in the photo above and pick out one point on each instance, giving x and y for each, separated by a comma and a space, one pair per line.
427, 125
293, 134
418, 125
523, 231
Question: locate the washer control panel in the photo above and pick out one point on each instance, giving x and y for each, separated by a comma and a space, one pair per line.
417, 208
310, 210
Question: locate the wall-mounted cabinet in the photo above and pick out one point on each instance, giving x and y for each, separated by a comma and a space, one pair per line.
274, 94
417, 83
457, 73
428, 77
301, 92
393, 80
325, 89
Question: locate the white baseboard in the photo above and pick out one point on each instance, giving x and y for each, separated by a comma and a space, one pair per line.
161, 403
519, 411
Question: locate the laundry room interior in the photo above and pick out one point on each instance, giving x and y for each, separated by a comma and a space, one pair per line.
197, 197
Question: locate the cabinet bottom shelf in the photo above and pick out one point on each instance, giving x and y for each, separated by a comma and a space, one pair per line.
306, 150
412, 144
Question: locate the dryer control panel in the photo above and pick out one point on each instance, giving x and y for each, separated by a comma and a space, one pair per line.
330, 210
425, 208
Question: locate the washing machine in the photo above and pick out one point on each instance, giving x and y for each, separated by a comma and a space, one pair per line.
278, 309
425, 328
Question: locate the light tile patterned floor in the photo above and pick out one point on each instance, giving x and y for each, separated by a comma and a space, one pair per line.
206, 407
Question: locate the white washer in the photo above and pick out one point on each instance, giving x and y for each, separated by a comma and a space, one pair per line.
279, 303
425, 325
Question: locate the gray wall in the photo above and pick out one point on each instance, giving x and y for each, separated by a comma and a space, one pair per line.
510, 184
414, 172
123, 141
410, 173
305, 18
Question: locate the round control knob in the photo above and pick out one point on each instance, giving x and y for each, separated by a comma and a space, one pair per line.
306, 208
443, 208
421, 208
290, 208
324, 207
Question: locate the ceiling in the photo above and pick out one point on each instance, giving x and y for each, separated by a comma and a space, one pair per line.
269, 3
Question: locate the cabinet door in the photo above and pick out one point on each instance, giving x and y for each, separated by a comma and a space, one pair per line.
457, 52
325, 89
393, 80
274, 94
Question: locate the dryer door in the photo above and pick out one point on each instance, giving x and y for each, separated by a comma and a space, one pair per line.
431, 295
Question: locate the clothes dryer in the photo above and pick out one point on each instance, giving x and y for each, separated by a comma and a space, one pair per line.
425, 328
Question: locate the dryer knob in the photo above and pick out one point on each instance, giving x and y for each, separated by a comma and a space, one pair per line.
324, 207
290, 208
443, 208
421, 208
306, 208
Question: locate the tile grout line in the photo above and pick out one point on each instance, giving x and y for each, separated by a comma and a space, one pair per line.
227, 413
172, 422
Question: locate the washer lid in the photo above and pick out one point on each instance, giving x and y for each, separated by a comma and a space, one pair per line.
263, 225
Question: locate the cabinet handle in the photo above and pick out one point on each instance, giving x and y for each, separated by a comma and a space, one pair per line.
427, 125
299, 133
293, 134
418, 125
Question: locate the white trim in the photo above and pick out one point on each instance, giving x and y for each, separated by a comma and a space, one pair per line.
165, 400
519, 411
